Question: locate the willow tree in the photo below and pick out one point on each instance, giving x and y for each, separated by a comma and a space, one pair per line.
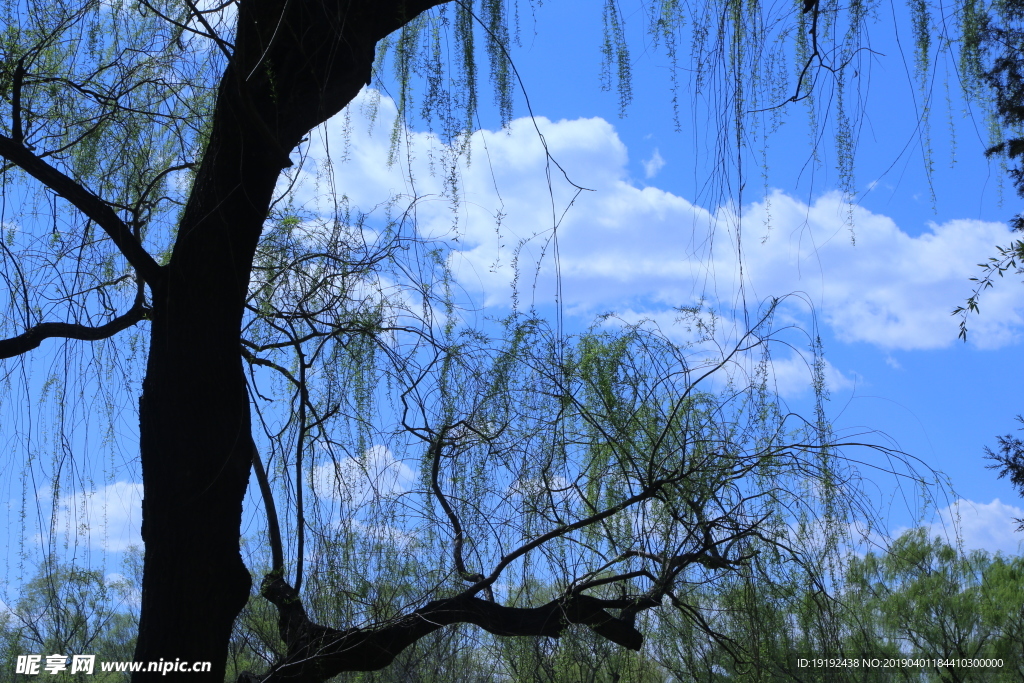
1002, 40
143, 209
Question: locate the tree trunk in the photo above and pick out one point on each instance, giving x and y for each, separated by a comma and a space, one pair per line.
196, 441
293, 65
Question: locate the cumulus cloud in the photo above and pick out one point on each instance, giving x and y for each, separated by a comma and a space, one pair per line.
965, 524
621, 246
971, 525
710, 336
888, 288
793, 375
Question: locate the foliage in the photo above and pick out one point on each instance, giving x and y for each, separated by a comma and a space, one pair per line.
595, 461
413, 472
919, 599
67, 610
1000, 38
924, 599
1009, 461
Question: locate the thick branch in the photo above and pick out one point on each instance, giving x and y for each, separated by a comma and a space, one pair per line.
506, 560
17, 133
435, 453
31, 339
86, 202
316, 653
273, 526
256, 360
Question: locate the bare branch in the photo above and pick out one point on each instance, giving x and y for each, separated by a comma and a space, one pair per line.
221, 43
273, 526
435, 453
17, 133
32, 338
86, 202
646, 494
256, 360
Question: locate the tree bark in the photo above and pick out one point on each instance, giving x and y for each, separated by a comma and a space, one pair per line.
293, 65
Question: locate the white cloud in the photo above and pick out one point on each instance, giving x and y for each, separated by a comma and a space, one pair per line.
358, 481
645, 249
654, 164
793, 376
108, 518
980, 526
790, 373
890, 289
386, 535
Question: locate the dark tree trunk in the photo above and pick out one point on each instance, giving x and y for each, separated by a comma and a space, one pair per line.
195, 424
293, 65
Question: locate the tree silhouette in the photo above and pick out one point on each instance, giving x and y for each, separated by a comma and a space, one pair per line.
150, 137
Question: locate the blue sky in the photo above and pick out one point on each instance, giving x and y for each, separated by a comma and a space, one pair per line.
630, 246
881, 288
637, 244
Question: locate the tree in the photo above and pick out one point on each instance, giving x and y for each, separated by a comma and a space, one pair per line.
1003, 41
921, 599
66, 610
156, 133
598, 461
926, 599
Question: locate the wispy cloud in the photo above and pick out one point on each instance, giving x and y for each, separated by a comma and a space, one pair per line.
654, 164
357, 481
107, 518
